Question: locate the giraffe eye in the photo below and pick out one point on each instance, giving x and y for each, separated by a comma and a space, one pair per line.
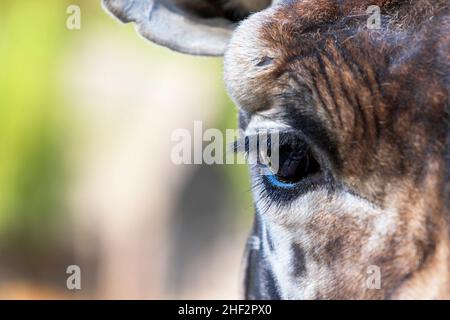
296, 162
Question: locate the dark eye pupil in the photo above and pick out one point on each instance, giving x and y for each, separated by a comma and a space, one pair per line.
296, 162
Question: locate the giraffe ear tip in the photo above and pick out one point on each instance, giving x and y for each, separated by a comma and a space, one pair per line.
116, 8
170, 27
180, 25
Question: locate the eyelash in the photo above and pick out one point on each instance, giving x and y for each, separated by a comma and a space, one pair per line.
272, 189
269, 196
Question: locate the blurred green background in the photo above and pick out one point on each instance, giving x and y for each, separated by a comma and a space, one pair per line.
86, 118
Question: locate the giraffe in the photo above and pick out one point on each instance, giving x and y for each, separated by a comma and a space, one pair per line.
361, 193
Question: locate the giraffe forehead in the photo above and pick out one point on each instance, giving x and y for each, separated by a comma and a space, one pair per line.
249, 64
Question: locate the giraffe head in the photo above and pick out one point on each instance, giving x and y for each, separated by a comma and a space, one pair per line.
358, 205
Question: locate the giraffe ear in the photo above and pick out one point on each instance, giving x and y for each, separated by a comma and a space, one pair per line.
197, 27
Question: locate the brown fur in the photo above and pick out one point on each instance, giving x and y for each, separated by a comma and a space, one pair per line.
382, 97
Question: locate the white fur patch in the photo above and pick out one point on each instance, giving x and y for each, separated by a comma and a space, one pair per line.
263, 121
287, 225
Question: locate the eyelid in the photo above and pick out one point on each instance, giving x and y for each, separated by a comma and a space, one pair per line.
266, 121
279, 184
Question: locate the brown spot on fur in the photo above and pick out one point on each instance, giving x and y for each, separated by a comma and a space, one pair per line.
299, 261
